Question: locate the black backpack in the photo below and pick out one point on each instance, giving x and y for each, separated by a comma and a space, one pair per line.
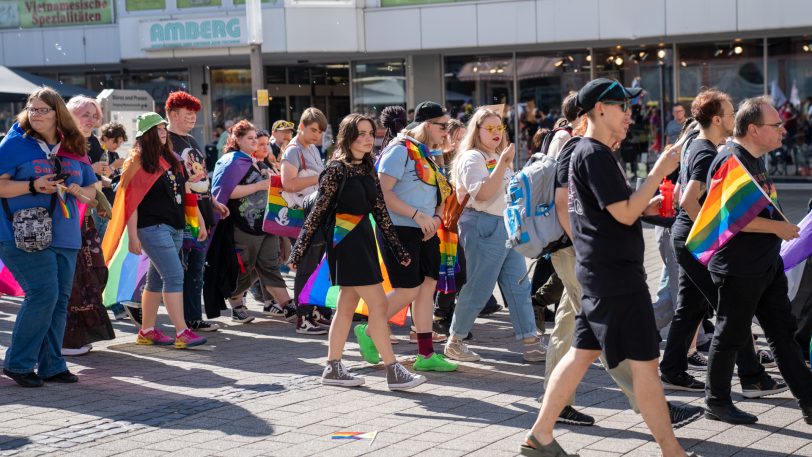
548, 137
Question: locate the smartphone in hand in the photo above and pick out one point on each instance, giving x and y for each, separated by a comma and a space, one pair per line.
61, 177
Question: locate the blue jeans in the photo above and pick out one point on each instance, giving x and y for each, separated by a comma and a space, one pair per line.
161, 243
483, 237
193, 261
46, 277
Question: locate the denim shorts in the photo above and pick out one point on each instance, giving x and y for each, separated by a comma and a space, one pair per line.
162, 243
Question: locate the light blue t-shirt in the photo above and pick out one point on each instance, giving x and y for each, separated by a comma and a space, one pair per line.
22, 158
396, 163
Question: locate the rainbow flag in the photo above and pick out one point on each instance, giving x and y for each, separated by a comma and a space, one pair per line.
355, 436
344, 225
280, 219
190, 215
319, 291
734, 199
490, 165
127, 275
449, 242
62, 194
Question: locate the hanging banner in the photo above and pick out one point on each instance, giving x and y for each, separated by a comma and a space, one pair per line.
30, 14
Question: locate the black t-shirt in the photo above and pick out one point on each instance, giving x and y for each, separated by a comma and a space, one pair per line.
163, 203
94, 149
249, 211
747, 254
275, 150
609, 254
194, 161
562, 169
696, 160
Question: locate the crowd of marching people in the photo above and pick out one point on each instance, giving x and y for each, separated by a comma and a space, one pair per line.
428, 223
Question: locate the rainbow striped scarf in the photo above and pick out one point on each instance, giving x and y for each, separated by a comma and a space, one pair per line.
449, 241
734, 199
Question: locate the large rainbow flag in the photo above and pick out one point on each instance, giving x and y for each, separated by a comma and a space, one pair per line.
733, 201
319, 290
127, 274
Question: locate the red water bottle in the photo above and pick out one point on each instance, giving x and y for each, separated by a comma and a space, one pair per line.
667, 205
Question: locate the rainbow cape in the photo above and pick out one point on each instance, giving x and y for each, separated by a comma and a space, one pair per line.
319, 290
190, 215
733, 201
125, 270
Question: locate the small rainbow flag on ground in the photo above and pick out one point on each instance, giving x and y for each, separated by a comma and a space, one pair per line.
280, 219
449, 242
734, 199
344, 225
355, 436
319, 290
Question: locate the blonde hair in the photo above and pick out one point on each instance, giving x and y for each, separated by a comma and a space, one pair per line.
471, 139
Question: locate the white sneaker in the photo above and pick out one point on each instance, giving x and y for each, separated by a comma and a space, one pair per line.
457, 350
76, 352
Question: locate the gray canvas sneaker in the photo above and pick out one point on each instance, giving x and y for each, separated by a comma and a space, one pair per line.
457, 350
336, 374
399, 378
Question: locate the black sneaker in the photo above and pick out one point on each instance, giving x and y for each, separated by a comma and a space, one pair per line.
133, 310
286, 311
319, 318
697, 361
306, 326
682, 381
290, 311
490, 308
682, 415
768, 386
203, 326
240, 314
766, 358
570, 416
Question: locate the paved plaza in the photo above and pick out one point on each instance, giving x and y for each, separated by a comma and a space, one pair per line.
255, 391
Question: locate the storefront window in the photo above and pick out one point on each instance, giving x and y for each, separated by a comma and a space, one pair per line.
735, 67
376, 85
145, 5
789, 69
159, 84
474, 81
231, 95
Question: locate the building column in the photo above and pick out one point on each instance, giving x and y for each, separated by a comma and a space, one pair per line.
198, 81
422, 74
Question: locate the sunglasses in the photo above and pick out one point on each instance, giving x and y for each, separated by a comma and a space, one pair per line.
623, 104
495, 128
284, 126
443, 125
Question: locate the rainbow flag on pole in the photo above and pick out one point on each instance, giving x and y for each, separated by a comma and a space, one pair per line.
355, 436
734, 199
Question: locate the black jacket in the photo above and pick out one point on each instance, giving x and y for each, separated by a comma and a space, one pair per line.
221, 270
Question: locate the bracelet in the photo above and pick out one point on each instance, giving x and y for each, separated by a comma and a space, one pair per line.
415, 214
31, 187
438, 217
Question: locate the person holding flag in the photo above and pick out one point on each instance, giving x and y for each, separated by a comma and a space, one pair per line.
349, 191
738, 234
149, 217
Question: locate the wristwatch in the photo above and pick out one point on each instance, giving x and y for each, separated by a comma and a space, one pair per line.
31, 187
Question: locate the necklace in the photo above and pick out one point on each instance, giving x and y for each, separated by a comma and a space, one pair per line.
183, 138
174, 182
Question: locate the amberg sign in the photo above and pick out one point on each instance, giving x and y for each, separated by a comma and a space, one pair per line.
193, 33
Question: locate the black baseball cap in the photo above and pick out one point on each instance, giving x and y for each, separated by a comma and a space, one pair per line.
604, 89
425, 111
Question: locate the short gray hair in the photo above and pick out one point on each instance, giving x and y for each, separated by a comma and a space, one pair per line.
749, 112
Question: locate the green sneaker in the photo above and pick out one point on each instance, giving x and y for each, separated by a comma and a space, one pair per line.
436, 362
368, 349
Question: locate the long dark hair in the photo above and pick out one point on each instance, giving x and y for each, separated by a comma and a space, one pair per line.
347, 134
149, 147
72, 138
393, 119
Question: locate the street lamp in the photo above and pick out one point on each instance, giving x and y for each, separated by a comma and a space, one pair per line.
253, 16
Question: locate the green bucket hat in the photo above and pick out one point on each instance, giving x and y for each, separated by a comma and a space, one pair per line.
147, 121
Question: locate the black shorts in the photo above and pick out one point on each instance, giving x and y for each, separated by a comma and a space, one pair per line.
621, 326
425, 258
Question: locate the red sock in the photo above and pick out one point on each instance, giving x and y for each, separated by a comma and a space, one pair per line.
425, 346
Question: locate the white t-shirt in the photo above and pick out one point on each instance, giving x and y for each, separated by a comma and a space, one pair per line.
472, 169
557, 143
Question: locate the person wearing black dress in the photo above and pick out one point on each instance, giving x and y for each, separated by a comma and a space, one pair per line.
349, 191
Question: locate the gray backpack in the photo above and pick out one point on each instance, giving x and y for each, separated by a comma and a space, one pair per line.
532, 225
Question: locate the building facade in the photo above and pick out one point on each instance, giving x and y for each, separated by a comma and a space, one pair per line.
362, 55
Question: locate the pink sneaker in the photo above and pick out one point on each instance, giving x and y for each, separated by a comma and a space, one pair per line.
154, 336
188, 338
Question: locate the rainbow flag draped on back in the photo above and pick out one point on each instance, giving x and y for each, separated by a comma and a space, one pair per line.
733, 201
319, 290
